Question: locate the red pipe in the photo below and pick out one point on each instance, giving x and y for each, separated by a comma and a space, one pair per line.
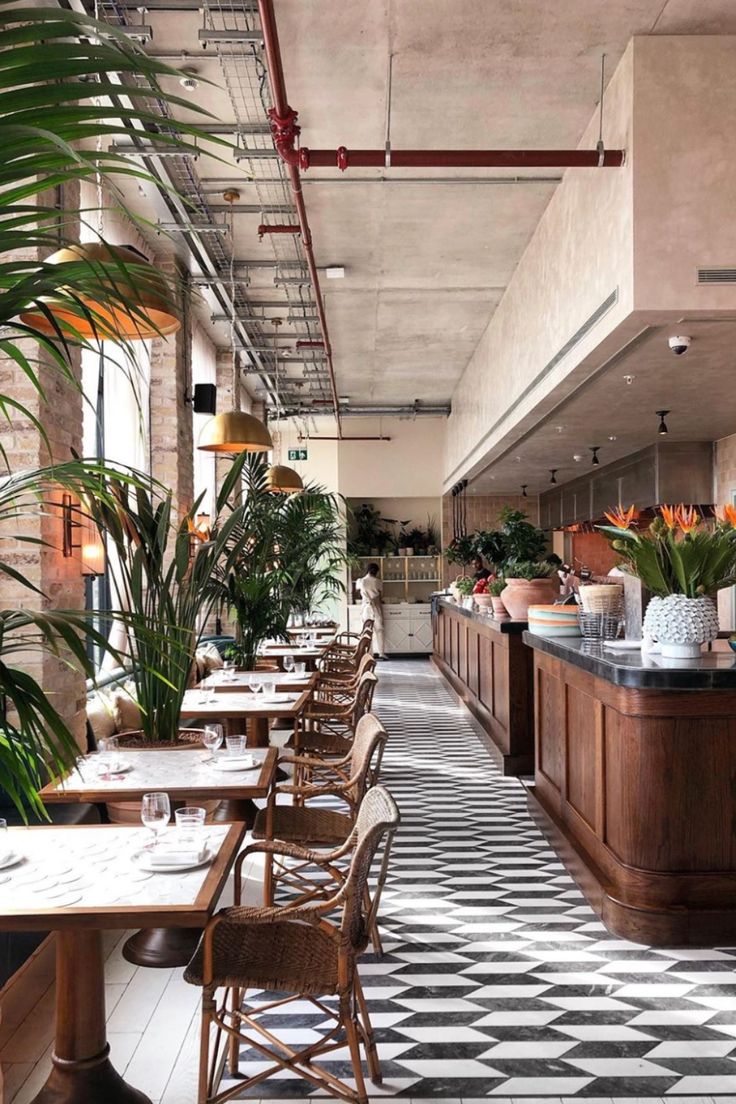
452, 159
279, 228
310, 344
285, 131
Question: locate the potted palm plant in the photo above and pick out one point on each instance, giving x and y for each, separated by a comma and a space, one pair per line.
683, 559
64, 107
312, 552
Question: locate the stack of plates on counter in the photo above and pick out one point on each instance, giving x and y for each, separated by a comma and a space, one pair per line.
554, 620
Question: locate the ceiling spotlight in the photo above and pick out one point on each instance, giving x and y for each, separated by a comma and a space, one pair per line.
560, 429
628, 380
189, 83
553, 474
577, 457
613, 437
595, 449
662, 428
523, 490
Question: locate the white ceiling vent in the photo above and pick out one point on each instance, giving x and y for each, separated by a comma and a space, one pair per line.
717, 275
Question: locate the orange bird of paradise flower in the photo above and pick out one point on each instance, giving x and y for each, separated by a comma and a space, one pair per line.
621, 518
688, 518
669, 516
727, 514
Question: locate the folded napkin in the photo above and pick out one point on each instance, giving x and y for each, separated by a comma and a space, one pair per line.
177, 854
243, 760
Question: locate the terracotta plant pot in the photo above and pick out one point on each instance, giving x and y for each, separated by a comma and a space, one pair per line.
519, 594
483, 601
499, 609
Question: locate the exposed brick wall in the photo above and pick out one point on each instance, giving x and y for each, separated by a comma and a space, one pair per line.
724, 465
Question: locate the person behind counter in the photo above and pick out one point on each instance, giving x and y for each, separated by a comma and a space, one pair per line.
480, 572
371, 593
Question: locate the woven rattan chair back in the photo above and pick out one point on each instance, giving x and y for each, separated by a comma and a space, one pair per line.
375, 827
363, 699
365, 755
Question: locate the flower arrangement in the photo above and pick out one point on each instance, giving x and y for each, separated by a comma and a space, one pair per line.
679, 552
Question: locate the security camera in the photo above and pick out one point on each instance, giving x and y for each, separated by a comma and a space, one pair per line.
679, 345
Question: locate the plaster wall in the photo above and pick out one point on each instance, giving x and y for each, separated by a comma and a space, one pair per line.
580, 254
409, 465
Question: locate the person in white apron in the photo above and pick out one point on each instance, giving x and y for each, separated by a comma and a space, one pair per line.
371, 590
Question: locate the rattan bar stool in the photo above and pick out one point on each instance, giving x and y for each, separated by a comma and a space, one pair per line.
295, 953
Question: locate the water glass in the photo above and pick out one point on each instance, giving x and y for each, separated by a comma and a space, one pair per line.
212, 737
155, 813
189, 823
288, 663
108, 758
269, 687
235, 745
300, 668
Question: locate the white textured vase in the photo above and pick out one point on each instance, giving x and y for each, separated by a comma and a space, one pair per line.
681, 625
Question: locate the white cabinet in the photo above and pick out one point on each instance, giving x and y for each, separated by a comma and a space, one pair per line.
407, 627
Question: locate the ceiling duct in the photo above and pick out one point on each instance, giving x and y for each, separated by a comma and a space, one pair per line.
717, 275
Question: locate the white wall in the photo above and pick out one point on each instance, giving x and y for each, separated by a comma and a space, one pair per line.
410, 465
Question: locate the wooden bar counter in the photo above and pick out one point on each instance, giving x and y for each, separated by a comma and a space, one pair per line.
489, 667
635, 785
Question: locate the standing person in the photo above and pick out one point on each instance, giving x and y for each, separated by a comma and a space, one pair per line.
371, 591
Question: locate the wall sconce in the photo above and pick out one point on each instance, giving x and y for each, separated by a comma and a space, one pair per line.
90, 546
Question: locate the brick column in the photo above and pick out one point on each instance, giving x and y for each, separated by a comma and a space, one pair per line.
171, 416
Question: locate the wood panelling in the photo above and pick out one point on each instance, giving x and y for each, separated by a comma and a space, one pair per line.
491, 670
641, 787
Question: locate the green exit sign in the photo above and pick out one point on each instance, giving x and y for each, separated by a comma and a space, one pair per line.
297, 454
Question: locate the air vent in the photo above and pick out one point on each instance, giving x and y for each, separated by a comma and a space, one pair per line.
717, 275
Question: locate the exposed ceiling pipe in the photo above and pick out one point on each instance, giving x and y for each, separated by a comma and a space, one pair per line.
281, 110
343, 158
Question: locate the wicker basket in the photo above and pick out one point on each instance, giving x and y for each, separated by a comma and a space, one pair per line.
602, 598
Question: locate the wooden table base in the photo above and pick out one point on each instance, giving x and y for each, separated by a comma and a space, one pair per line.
161, 948
82, 1072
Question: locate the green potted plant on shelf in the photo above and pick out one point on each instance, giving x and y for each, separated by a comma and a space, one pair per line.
528, 584
61, 109
461, 550
496, 588
683, 559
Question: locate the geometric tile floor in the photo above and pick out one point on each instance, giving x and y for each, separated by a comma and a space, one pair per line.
497, 980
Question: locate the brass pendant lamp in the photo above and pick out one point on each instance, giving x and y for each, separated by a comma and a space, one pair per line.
281, 479
137, 304
235, 431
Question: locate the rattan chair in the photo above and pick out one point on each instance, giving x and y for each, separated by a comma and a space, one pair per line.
327, 727
297, 954
345, 683
345, 656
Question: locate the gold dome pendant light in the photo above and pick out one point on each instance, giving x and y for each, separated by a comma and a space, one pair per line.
234, 431
279, 478
137, 303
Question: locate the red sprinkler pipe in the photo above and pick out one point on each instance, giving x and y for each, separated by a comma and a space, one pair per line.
285, 133
279, 228
455, 159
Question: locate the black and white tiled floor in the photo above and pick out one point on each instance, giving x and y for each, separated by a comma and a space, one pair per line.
497, 980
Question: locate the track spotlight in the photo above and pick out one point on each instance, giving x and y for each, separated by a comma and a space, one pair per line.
553, 474
595, 449
662, 429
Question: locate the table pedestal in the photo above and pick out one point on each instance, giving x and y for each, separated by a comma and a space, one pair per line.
82, 1072
161, 948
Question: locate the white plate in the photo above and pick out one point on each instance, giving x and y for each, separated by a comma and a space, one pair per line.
11, 860
623, 645
295, 678
275, 699
124, 766
241, 764
142, 860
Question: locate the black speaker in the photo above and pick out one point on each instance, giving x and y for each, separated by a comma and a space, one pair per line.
205, 398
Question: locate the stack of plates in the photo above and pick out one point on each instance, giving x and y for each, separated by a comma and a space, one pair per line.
554, 620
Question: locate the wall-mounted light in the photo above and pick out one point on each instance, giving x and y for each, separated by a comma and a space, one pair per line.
90, 545
595, 449
553, 474
662, 428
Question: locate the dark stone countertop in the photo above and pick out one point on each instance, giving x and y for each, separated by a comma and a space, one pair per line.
712, 671
502, 625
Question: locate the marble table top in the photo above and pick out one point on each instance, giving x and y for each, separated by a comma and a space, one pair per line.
179, 772
89, 874
241, 680
243, 703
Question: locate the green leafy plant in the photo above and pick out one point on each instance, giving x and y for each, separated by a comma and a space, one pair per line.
368, 532
461, 551
496, 587
464, 585
416, 538
311, 548
491, 544
522, 541
679, 552
164, 574
525, 569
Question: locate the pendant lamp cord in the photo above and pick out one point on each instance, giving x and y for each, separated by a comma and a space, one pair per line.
233, 352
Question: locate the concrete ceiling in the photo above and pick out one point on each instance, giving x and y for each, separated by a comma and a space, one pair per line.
427, 262
621, 402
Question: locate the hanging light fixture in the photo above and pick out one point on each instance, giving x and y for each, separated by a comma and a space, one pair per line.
523, 490
662, 428
280, 479
553, 474
234, 431
595, 449
136, 305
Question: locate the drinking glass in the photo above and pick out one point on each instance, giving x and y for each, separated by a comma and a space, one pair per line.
212, 737
288, 663
300, 667
189, 823
235, 745
255, 682
108, 758
155, 814
269, 687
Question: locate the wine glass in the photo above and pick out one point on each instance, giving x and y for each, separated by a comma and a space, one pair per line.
212, 737
155, 814
288, 663
255, 683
